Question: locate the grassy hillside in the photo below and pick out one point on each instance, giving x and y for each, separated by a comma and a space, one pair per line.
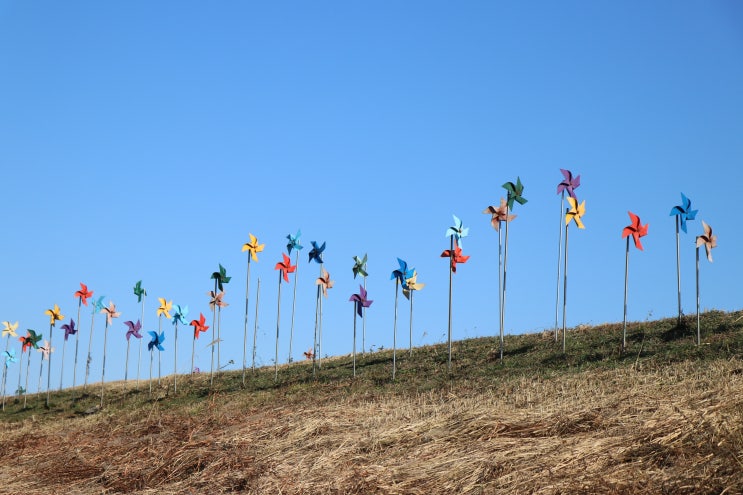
665, 416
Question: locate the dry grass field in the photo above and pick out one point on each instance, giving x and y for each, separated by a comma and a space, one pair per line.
665, 416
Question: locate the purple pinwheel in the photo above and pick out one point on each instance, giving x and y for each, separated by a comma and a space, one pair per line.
69, 329
360, 302
133, 330
568, 184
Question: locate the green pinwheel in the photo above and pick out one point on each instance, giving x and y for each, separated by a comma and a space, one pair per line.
30, 340
514, 195
141, 294
359, 268
220, 278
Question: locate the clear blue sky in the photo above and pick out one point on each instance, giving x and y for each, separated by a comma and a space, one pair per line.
145, 140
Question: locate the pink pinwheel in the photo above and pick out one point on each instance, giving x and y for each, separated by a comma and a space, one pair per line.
709, 241
360, 302
636, 230
132, 331
567, 185
323, 283
110, 313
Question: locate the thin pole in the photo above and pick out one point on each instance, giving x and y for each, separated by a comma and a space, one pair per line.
294, 305
565, 290
151, 359
49, 368
214, 335
678, 268
219, 339
41, 372
5, 371
193, 349
245, 330
500, 286
363, 325
626, 276
28, 367
699, 331
317, 314
159, 332
278, 321
126, 366
90, 346
354, 340
411, 322
255, 323
503, 308
175, 359
319, 328
394, 332
559, 259
77, 344
141, 322
61, 373
103, 368
451, 280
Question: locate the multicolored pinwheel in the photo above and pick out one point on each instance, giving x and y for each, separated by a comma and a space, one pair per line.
141, 294
132, 331
636, 230
69, 329
499, 215
30, 340
155, 343
285, 268
360, 303
411, 285
179, 316
253, 248
110, 313
220, 278
292, 244
683, 213
709, 241
8, 331
359, 268
399, 276
198, 327
568, 185
54, 315
573, 214
96, 307
454, 253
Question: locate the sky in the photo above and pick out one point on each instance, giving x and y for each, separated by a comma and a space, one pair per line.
146, 140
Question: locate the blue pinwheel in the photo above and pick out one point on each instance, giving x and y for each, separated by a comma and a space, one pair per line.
316, 252
179, 316
155, 343
457, 231
682, 212
292, 244
400, 276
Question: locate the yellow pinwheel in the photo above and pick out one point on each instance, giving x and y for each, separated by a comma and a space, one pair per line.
165, 307
253, 247
54, 315
10, 328
575, 212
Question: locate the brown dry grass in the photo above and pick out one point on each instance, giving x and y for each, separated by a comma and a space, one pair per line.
675, 430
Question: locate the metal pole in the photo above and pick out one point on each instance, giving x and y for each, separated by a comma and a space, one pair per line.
294, 305
394, 332
699, 331
245, 329
626, 276
141, 322
503, 308
559, 256
278, 321
255, 323
678, 268
565, 291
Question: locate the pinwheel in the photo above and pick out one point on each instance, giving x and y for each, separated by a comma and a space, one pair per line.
568, 185
499, 215
709, 241
316, 255
96, 306
399, 276
455, 256
309, 354
285, 268
54, 315
636, 230
179, 316
69, 329
457, 231
45, 350
253, 248
411, 285
82, 296
10, 358
359, 268
573, 214
155, 343
8, 331
682, 212
216, 303
293, 244
163, 311
220, 278
31, 339
141, 294
198, 327
110, 313
360, 304
515, 192
133, 331
324, 283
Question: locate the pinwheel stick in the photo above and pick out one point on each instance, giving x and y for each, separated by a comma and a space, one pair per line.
559, 259
175, 359
255, 323
626, 277
159, 332
49, 368
141, 320
61, 371
214, 336
245, 329
278, 323
41, 372
126, 364
294, 305
193, 351
678, 268
699, 331
103, 368
500, 284
451, 281
151, 360
564, 290
28, 367
503, 294
411, 323
363, 325
317, 317
90, 347
77, 345
394, 332
354, 340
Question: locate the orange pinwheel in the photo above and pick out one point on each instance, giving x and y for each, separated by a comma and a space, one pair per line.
199, 325
708, 240
253, 247
499, 214
324, 282
456, 256
636, 229
286, 267
83, 294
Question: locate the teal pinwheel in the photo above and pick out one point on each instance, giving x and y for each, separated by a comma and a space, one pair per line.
155, 343
293, 244
141, 294
220, 278
683, 213
515, 192
457, 231
9, 357
179, 316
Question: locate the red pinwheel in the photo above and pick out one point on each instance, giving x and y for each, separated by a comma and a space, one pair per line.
456, 256
636, 230
198, 327
285, 268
